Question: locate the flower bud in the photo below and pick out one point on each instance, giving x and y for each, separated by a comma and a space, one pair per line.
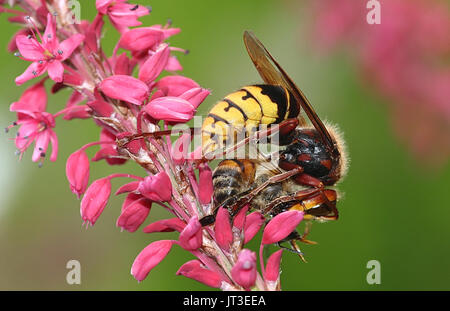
193, 269
191, 237
222, 229
77, 172
155, 64
126, 88
95, 200
206, 188
149, 258
253, 223
165, 225
141, 39
195, 96
171, 109
156, 187
175, 85
134, 212
272, 271
281, 226
244, 271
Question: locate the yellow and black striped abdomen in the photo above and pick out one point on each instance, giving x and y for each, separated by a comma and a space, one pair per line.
231, 178
245, 110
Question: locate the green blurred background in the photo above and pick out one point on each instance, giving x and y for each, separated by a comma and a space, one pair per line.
395, 210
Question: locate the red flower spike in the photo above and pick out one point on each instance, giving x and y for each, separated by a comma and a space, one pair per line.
77, 172
253, 223
165, 225
95, 200
194, 270
126, 88
281, 226
272, 271
149, 258
156, 187
222, 229
206, 188
244, 271
191, 237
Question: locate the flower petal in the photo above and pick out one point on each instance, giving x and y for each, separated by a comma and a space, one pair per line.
281, 226
193, 269
125, 88
69, 45
56, 71
29, 48
149, 258
165, 225
222, 229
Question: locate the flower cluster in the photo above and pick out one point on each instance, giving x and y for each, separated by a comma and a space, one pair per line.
405, 57
128, 108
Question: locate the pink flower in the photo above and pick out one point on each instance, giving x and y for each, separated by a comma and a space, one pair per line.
156, 187
175, 85
35, 124
135, 210
107, 151
77, 171
240, 218
78, 112
141, 39
281, 226
194, 270
171, 109
47, 55
149, 258
121, 14
155, 64
206, 188
191, 237
222, 229
272, 271
253, 223
126, 88
95, 200
195, 96
99, 106
165, 225
129, 187
122, 65
244, 271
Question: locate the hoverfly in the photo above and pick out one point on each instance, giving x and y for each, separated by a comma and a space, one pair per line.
313, 159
